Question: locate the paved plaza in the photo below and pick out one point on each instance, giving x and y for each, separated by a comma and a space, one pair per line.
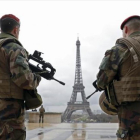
72, 131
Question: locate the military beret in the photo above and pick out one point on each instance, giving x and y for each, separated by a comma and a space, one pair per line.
10, 16
128, 19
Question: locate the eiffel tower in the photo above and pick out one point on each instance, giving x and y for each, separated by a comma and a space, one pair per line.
78, 87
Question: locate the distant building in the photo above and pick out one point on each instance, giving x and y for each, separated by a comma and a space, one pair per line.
78, 88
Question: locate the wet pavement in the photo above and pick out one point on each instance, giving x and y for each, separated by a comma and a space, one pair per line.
72, 131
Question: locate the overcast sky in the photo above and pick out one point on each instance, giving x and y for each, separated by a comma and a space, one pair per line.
52, 27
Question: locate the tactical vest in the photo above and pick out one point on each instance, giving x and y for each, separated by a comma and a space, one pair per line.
8, 89
127, 89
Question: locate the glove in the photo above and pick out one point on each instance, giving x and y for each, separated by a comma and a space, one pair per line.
95, 85
50, 73
49, 65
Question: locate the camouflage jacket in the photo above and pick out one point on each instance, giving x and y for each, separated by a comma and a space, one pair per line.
17, 59
111, 66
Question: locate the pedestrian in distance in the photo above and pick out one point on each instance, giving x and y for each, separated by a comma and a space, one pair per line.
41, 114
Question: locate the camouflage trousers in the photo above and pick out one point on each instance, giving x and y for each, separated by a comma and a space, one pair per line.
128, 117
12, 120
41, 116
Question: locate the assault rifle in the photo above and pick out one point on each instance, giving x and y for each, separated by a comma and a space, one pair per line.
47, 71
95, 85
99, 89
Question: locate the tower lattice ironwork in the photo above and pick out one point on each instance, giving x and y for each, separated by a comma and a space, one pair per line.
78, 88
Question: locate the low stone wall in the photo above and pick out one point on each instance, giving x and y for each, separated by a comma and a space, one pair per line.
49, 117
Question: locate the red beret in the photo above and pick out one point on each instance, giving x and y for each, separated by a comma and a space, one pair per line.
12, 17
128, 19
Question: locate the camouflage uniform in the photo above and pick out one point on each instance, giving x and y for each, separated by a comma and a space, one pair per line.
112, 67
41, 115
12, 104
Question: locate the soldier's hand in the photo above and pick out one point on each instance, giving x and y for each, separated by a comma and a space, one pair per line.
38, 77
49, 65
95, 85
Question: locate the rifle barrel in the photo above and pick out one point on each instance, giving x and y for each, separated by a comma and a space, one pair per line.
62, 83
92, 94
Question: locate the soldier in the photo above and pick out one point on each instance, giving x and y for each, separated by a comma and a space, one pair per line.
119, 77
15, 76
41, 114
